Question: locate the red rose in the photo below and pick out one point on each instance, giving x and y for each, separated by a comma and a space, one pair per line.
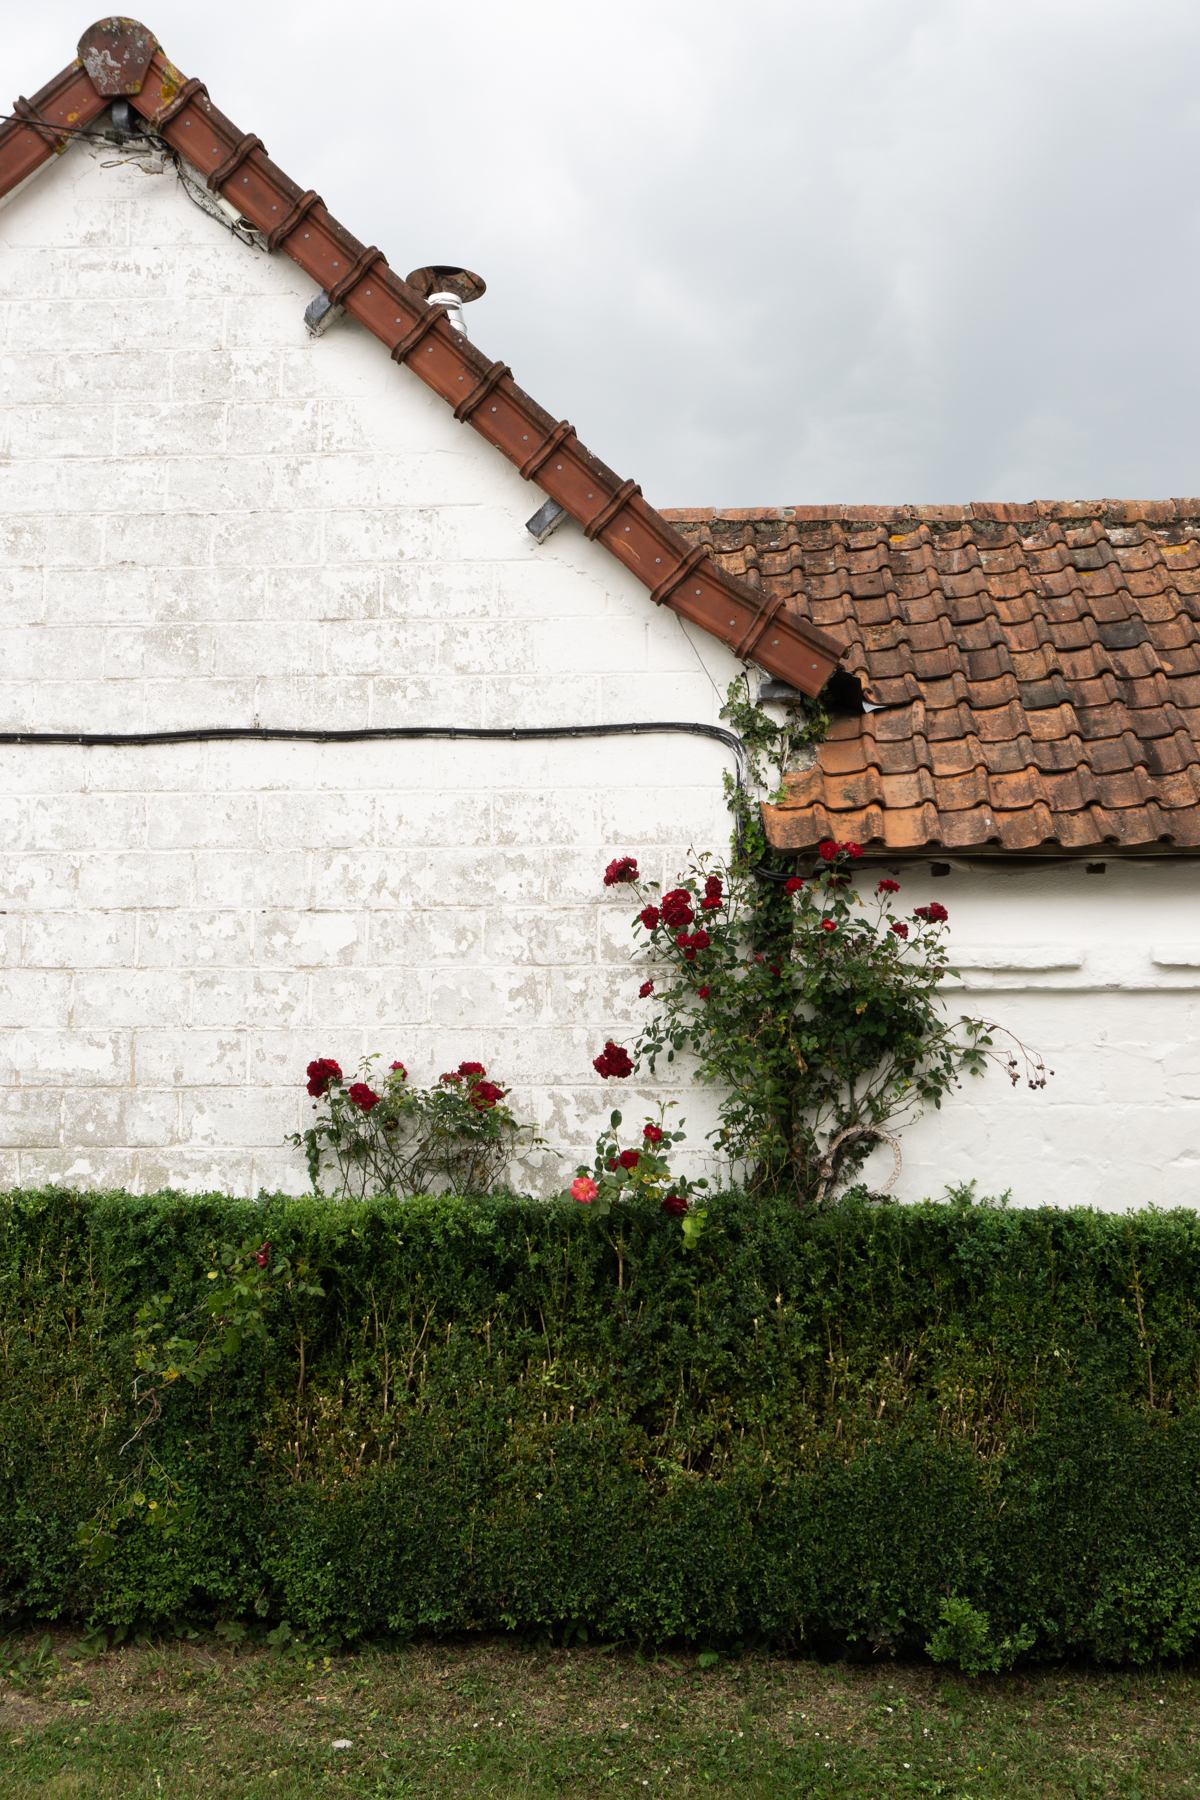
613, 1061
468, 1069
933, 914
611, 1163
700, 940
775, 969
649, 917
453, 1079
263, 1256
647, 987
712, 887
677, 909
888, 887
622, 868
793, 886
900, 928
320, 1074
400, 1069
628, 1159
828, 850
363, 1096
702, 993
652, 1134
853, 851
674, 1205
828, 924
711, 905
485, 1095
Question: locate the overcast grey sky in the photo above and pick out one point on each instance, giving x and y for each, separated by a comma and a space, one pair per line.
767, 253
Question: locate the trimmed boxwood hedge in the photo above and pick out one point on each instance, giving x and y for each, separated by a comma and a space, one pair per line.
809, 1430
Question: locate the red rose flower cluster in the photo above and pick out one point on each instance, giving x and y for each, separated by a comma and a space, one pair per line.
612, 1061
712, 901
674, 1205
362, 1096
677, 909
699, 940
793, 885
649, 917
900, 928
933, 914
652, 1134
829, 851
263, 1256
483, 1094
320, 1074
622, 868
888, 887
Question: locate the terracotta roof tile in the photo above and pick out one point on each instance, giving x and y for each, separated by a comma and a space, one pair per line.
1038, 667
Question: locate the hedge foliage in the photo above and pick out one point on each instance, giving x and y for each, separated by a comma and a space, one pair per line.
860, 1428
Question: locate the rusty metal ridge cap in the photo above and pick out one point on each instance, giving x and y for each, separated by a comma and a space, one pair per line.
235, 164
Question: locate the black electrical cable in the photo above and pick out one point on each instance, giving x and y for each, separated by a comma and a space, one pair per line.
367, 733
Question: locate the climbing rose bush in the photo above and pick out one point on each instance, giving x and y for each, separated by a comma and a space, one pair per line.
457, 1135
814, 1007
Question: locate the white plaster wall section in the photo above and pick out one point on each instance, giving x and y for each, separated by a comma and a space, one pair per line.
1111, 999
217, 522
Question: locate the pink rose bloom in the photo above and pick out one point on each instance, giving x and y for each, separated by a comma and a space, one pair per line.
584, 1189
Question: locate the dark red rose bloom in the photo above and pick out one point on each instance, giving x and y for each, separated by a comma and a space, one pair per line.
828, 850
622, 868
933, 914
399, 1068
263, 1256
485, 1095
652, 1134
689, 956
828, 924
900, 928
702, 993
649, 917
466, 1070
363, 1096
712, 887
700, 940
320, 1074
613, 1061
677, 909
674, 1205
793, 886
711, 905
853, 851
629, 1159
888, 887
611, 1163
647, 987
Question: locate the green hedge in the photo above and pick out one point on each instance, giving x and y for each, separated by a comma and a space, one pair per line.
808, 1430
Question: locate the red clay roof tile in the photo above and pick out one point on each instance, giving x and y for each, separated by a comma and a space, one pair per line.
1038, 666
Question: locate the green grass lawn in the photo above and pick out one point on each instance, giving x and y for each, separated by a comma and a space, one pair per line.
489, 1718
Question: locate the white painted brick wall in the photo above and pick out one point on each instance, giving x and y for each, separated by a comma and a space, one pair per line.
211, 520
